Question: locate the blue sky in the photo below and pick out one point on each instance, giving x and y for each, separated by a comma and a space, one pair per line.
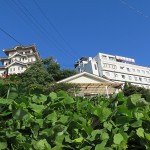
70, 29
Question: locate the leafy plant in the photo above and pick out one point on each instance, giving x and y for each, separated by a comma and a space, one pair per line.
60, 122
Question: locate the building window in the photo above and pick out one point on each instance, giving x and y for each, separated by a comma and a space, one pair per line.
145, 79
143, 71
130, 77
135, 78
147, 72
123, 76
133, 70
22, 68
140, 79
105, 65
14, 69
112, 58
121, 67
116, 75
107, 73
128, 69
18, 68
10, 69
138, 70
95, 66
104, 57
114, 66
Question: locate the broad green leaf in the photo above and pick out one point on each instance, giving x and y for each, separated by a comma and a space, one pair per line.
101, 146
52, 117
135, 98
40, 122
3, 144
122, 120
107, 125
124, 111
63, 119
94, 133
138, 115
102, 113
86, 148
53, 95
136, 124
83, 104
5, 101
20, 114
68, 100
41, 145
118, 138
13, 95
57, 148
59, 139
78, 140
36, 108
140, 132
104, 136
147, 135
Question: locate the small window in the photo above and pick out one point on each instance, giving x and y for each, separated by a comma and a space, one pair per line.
147, 72
123, 76
138, 70
116, 75
121, 67
143, 71
114, 67
128, 69
107, 73
145, 79
133, 70
130, 77
140, 78
95, 66
104, 57
105, 65
14, 69
135, 78
112, 58
18, 68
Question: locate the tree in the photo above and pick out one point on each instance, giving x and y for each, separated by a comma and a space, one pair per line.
55, 71
130, 89
36, 74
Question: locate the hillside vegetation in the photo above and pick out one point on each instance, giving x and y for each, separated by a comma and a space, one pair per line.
58, 121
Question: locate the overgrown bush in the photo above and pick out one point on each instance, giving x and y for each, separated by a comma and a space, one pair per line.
60, 122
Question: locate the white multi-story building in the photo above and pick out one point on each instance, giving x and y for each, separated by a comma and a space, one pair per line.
18, 59
115, 68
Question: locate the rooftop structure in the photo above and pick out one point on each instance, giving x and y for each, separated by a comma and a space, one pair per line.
18, 59
115, 68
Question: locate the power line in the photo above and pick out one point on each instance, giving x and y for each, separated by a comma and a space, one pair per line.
55, 43
53, 26
139, 12
10, 36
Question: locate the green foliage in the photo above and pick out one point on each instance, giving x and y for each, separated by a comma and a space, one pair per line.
59, 121
36, 74
130, 89
53, 68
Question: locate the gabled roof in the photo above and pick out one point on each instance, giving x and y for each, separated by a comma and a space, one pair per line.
84, 77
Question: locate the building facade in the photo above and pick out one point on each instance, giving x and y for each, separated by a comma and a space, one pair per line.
115, 68
18, 59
